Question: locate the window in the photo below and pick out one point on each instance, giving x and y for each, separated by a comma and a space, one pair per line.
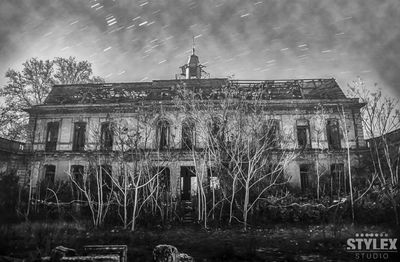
338, 180
304, 177
106, 137
79, 136
333, 135
52, 136
106, 175
49, 174
77, 172
163, 134
303, 134
164, 179
271, 133
216, 132
188, 135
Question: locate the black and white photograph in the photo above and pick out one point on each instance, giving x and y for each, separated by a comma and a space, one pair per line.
199, 130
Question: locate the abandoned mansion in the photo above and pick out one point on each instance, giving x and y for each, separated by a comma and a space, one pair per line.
311, 130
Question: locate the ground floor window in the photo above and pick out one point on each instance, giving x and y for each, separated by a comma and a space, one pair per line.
305, 177
164, 176
338, 180
77, 174
49, 174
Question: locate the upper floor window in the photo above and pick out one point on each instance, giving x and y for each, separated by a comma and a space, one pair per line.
106, 137
163, 134
303, 134
216, 132
188, 135
52, 136
79, 136
49, 174
271, 133
305, 176
332, 133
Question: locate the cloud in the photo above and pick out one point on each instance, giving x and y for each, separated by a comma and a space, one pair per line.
237, 37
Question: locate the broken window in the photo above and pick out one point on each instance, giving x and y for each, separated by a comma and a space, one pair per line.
106, 137
333, 135
271, 134
188, 135
303, 134
79, 136
338, 180
163, 134
52, 136
305, 177
49, 174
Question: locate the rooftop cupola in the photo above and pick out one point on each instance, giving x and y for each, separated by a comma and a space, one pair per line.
193, 68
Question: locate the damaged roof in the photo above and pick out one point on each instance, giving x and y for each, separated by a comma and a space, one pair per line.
106, 93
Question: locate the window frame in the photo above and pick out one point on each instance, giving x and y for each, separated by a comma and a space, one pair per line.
163, 134
271, 132
106, 136
330, 136
189, 136
78, 170
52, 133
164, 178
79, 145
49, 173
305, 183
306, 128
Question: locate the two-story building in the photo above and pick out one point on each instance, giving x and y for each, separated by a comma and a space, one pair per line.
75, 123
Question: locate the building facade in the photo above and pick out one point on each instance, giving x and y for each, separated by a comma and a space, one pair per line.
81, 123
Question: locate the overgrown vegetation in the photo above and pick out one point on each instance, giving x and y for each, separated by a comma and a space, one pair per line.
239, 173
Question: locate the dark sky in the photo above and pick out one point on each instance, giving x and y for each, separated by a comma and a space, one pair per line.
129, 40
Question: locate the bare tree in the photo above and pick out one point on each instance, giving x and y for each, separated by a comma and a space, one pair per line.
30, 87
381, 116
240, 141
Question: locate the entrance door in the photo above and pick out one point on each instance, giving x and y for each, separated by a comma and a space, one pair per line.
187, 172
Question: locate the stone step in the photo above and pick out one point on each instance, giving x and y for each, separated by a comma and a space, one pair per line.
188, 218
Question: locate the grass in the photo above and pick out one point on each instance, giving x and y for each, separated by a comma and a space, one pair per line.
272, 243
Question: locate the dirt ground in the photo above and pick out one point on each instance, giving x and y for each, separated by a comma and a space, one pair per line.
273, 243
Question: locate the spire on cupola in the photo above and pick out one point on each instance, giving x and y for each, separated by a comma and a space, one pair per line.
193, 68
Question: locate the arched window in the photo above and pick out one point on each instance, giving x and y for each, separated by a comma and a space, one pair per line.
188, 134
163, 134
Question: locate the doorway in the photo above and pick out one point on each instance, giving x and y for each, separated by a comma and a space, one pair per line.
188, 179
